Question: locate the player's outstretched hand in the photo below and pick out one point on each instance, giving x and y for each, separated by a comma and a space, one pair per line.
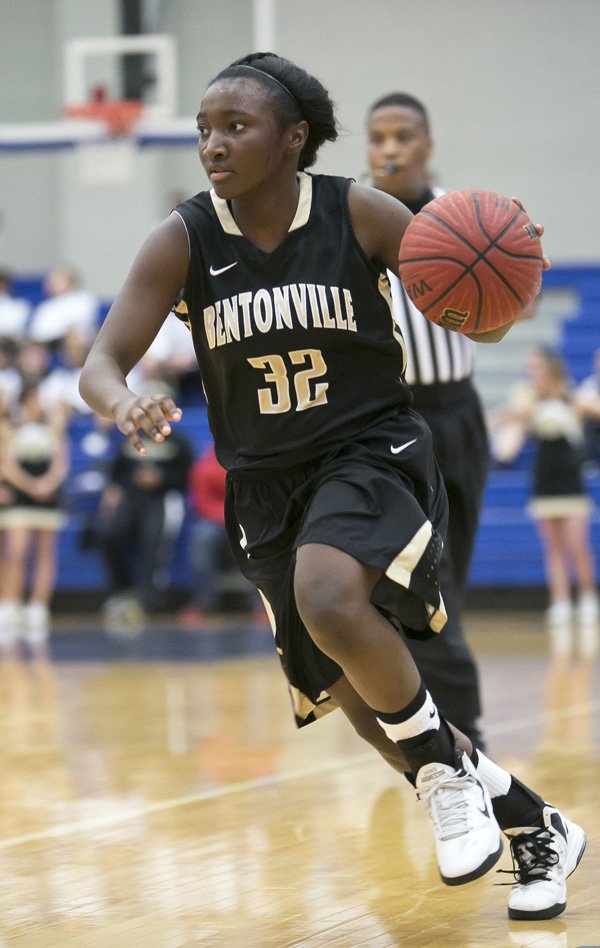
146, 413
539, 229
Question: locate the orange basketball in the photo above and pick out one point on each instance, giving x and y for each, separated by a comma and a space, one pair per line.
471, 261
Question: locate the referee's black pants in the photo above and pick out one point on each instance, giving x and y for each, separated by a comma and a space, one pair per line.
454, 414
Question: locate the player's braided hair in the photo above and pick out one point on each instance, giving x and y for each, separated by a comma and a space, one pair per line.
297, 94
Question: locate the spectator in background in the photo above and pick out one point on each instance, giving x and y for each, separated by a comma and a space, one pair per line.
209, 549
34, 365
587, 400
172, 358
60, 388
140, 517
67, 307
7, 499
34, 464
544, 409
10, 377
33, 362
14, 312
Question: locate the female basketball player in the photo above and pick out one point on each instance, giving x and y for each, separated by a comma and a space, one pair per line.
335, 506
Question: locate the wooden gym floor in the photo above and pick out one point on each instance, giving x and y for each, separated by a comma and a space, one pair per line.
158, 795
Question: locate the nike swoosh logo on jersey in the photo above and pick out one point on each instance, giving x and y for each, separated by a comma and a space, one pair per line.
401, 447
222, 269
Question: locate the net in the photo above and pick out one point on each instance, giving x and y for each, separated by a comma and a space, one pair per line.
120, 117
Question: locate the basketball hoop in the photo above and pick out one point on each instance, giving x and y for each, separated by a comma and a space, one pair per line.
119, 116
112, 160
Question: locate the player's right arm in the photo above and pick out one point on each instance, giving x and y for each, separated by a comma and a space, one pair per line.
139, 310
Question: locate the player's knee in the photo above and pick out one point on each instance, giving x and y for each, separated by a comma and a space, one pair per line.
327, 606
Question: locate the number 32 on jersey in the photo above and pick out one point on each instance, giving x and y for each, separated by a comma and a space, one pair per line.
307, 393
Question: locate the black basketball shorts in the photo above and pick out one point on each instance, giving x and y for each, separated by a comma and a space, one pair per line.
380, 499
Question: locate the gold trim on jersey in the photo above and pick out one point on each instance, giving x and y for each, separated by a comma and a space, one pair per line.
385, 291
305, 706
304, 202
401, 569
227, 220
181, 311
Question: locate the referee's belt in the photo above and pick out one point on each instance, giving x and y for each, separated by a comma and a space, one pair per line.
441, 394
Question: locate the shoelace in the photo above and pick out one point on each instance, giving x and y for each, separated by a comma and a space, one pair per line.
533, 857
448, 805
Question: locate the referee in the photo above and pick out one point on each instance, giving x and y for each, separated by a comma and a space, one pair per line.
439, 370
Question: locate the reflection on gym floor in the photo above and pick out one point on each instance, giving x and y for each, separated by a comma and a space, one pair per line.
155, 792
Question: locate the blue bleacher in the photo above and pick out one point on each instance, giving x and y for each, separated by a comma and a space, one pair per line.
507, 551
580, 336
81, 569
29, 287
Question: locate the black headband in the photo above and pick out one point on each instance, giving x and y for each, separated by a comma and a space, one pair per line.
268, 75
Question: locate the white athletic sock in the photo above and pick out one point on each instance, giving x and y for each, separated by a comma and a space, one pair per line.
424, 718
496, 779
10, 622
36, 623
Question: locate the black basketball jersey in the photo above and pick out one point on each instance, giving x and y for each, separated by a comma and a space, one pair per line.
297, 347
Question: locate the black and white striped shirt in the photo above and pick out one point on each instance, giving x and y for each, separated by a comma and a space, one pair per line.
434, 355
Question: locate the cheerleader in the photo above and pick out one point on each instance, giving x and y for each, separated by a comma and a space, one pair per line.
34, 465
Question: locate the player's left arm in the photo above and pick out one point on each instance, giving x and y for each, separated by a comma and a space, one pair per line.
492, 335
379, 222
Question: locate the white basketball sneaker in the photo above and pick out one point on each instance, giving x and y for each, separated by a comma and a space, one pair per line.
468, 841
543, 859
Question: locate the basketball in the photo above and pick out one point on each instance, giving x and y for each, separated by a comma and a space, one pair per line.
471, 261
